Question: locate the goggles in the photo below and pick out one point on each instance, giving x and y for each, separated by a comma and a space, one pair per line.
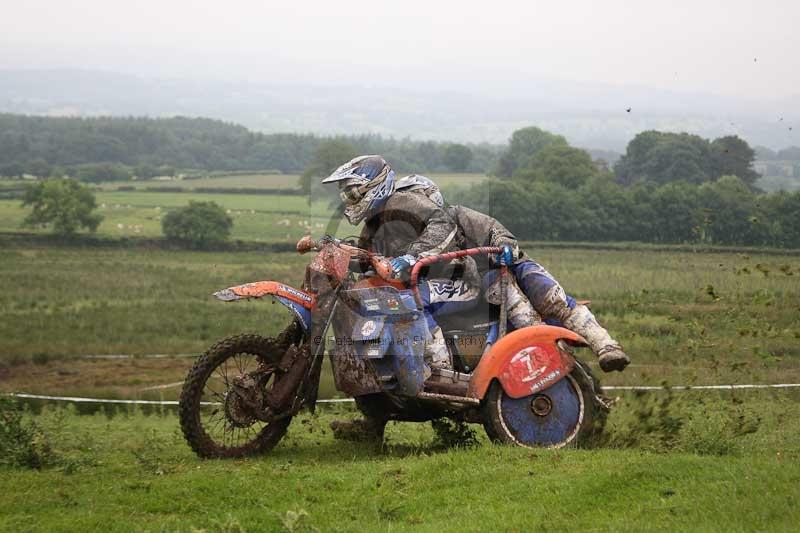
352, 191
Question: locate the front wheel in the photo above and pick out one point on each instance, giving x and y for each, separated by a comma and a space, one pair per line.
216, 404
565, 414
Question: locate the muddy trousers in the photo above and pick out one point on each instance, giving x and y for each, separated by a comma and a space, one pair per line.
549, 299
443, 297
545, 294
557, 308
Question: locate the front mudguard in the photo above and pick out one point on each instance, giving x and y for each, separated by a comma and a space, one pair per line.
525, 361
298, 302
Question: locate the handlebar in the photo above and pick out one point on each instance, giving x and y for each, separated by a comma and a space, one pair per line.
382, 265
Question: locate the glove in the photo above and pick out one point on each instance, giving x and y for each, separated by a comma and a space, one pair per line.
506, 257
401, 264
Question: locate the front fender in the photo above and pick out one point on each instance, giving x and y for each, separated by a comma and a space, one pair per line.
298, 302
525, 361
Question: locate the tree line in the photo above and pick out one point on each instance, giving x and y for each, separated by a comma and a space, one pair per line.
117, 148
667, 188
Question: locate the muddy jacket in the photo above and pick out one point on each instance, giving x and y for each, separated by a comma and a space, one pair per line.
482, 230
411, 223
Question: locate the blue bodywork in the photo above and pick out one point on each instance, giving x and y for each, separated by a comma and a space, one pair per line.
390, 333
302, 314
552, 429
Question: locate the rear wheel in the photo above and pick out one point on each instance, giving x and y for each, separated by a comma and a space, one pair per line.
224, 389
565, 414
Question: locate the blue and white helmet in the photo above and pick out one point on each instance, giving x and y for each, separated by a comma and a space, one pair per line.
365, 182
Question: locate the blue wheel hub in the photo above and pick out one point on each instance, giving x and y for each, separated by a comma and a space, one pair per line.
548, 418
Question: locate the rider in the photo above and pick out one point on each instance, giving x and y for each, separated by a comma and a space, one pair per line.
541, 288
408, 226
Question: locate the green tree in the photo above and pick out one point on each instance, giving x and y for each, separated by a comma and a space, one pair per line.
525, 144
198, 225
608, 209
731, 156
457, 157
328, 156
63, 203
780, 212
12, 170
145, 172
662, 157
728, 206
562, 164
674, 214
39, 168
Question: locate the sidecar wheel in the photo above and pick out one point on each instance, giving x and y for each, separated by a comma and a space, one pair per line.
564, 414
215, 422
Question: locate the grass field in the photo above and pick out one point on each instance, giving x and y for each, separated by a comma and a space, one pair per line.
262, 218
686, 461
243, 181
138, 214
268, 218
134, 472
682, 315
266, 181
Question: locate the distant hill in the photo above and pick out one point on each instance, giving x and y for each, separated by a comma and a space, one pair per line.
596, 116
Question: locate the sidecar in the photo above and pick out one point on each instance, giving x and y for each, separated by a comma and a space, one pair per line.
526, 388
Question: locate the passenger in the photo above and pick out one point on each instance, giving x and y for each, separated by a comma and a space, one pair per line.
539, 286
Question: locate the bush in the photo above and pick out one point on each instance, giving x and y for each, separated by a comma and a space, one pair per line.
22, 444
64, 203
198, 225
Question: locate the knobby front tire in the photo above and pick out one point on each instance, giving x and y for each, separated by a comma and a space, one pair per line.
205, 415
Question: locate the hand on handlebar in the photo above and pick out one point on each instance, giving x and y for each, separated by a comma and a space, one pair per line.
401, 265
505, 257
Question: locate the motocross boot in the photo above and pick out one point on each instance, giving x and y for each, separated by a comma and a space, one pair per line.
365, 429
608, 351
436, 353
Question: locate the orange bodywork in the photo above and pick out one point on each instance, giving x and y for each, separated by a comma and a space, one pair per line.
525, 361
259, 289
380, 282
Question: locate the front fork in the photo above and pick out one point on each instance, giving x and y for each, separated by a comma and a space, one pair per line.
299, 386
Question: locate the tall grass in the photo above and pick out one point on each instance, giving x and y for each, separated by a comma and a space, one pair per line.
133, 471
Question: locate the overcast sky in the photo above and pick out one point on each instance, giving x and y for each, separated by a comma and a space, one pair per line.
739, 48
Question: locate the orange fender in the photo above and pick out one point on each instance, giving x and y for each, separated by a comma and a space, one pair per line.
525, 361
260, 289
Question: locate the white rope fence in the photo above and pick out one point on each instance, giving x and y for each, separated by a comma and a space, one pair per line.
702, 387
78, 399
